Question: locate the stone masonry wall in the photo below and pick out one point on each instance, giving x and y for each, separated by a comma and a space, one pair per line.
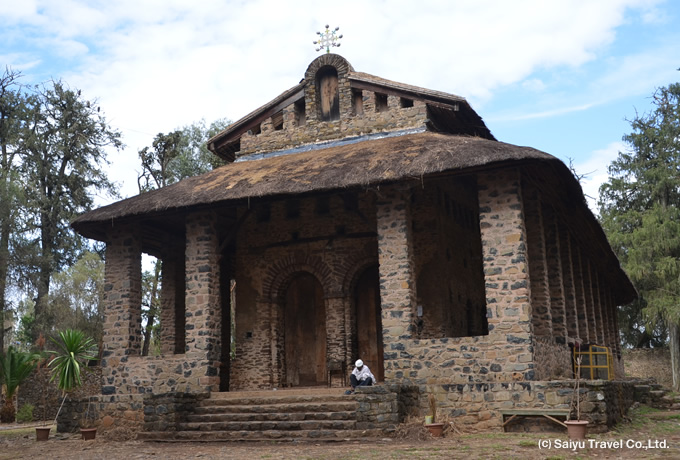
124, 370
333, 238
505, 354
480, 405
351, 122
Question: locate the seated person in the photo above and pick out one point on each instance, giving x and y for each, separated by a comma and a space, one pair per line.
361, 376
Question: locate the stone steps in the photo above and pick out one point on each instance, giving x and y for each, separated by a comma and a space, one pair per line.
312, 415
275, 425
256, 436
656, 396
206, 408
270, 416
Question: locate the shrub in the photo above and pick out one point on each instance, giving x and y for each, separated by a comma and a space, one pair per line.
25, 413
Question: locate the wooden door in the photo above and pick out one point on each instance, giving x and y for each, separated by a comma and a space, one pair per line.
369, 321
305, 332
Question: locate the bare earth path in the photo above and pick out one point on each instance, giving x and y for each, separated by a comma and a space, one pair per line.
647, 434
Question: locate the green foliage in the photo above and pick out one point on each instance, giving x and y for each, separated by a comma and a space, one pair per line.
15, 367
77, 296
639, 208
25, 413
74, 350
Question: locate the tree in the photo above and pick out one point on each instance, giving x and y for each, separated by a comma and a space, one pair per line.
63, 153
15, 367
12, 106
76, 297
640, 211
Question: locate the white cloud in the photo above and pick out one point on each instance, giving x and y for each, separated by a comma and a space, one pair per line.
155, 65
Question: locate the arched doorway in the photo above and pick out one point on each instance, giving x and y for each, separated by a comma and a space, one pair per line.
304, 331
369, 321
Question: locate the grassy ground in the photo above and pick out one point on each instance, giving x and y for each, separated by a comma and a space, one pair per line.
647, 428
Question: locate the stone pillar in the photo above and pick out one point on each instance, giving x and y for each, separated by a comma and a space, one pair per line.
590, 301
506, 274
122, 306
203, 308
571, 316
538, 266
397, 277
555, 280
597, 300
581, 310
335, 328
168, 314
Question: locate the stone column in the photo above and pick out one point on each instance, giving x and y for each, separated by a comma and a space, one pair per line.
203, 308
538, 266
168, 314
590, 301
506, 274
581, 305
397, 277
557, 301
597, 299
122, 307
568, 283
335, 328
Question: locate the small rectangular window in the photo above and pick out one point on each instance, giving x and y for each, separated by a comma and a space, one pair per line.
292, 209
380, 102
255, 130
323, 205
263, 213
277, 121
357, 102
300, 116
405, 103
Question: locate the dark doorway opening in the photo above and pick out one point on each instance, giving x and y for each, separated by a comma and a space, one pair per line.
369, 321
305, 332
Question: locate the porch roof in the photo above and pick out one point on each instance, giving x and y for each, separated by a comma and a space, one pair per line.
364, 164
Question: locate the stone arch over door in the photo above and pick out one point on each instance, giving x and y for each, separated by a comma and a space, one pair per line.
276, 288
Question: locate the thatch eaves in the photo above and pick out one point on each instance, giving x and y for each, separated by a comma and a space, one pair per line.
364, 165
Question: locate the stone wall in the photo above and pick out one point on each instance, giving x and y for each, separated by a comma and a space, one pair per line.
164, 412
480, 405
331, 237
46, 397
378, 408
358, 118
106, 413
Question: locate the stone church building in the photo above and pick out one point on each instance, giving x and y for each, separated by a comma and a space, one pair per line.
358, 217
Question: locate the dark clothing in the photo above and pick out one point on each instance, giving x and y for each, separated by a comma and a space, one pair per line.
360, 383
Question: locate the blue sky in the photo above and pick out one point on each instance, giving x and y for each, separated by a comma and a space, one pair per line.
560, 75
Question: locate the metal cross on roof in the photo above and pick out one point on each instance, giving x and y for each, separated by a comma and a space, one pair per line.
328, 39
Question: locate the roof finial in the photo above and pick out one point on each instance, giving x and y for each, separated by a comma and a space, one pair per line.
328, 39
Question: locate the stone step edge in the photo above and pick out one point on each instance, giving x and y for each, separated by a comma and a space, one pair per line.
271, 416
276, 400
256, 426
266, 436
345, 406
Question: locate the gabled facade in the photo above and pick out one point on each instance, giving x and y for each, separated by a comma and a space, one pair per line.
362, 218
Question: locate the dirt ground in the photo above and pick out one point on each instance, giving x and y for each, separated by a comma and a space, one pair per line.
649, 433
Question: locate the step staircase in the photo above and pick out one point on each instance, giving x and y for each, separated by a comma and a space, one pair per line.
309, 414
657, 396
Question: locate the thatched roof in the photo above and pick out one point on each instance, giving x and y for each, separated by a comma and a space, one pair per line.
361, 164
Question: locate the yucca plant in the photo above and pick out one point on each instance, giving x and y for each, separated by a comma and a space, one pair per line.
74, 350
15, 367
